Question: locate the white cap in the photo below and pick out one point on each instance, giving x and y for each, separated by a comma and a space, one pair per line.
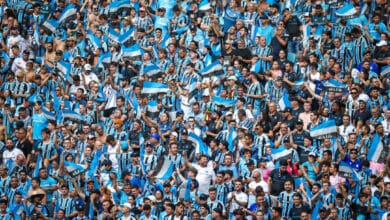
128, 205
87, 66
307, 14
234, 78
206, 92
174, 133
381, 43
228, 113
152, 198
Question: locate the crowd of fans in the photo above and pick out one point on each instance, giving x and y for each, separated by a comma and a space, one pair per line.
164, 110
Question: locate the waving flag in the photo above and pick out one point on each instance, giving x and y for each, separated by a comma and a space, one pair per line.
187, 192
385, 71
164, 169
36, 35
224, 102
48, 115
105, 58
376, 149
93, 39
199, 145
231, 138
68, 14
64, 69
154, 88
74, 169
284, 102
257, 67
117, 6
204, 5
127, 35
133, 101
192, 90
316, 210
347, 11
72, 116
333, 85
281, 153
324, 129
134, 52
50, 25
152, 71
213, 69
113, 35
38, 165
345, 170
152, 109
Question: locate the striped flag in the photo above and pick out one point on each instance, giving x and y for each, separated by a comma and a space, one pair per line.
347, 11
105, 58
50, 25
117, 6
68, 14
64, 69
152, 109
72, 116
324, 129
134, 52
187, 192
376, 149
216, 68
231, 138
36, 35
345, 170
281, 153
38, 165
153, 71
164, 169
204, 5
154, 88
284, 102
74, 169
192, 90
200, 146
223, 102
48, 115
257, 67
385, 71
127, 35
94, 40
333, 85
113, 35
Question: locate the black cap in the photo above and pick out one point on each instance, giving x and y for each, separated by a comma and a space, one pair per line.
300, 122
203, 196
167, 184
192, 27
250, 162
287, 110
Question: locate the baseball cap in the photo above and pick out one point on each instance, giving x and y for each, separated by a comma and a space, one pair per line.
234, 78
155, 136
87, 66
381, 43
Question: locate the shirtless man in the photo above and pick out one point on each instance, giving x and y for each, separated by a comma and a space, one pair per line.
50, 54
93, 15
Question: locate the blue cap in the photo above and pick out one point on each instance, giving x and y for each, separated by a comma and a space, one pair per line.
124, 145
155, 136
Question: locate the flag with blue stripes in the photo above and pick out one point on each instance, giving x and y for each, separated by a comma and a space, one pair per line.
48, 115
284, 102
134, 52
56, 102
216, 68
153, 71
231, 138
345, 170
324, 129
117, 6
105, 58
72, 116
347, 11
204, 5
164, 169
36, 35
68, 14
223, 102
127, 35
281, 153
133, 101
385, 71
38, 165
64, 69
10, 165
50, 25
376, 149
316, 210
152, 109
154, 88
199, 145
94, 40
74, 169
257, 67
192, 90
113, 35
333, 85
187, 193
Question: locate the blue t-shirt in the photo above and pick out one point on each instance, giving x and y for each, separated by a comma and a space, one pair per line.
39, 122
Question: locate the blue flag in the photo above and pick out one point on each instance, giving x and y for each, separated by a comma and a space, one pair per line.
324, 129
200, 146
164, 169
224, 102
376, 149
154, 88
74, 169
152, 109
213, 69
284, 102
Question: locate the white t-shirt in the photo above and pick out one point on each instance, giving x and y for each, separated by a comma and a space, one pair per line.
7, 154
205, 176
241, 197
90, 77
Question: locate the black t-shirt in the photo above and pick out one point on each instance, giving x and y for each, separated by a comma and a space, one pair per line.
363, 116
25, 147
278, 180
292, 27
295, 212
277, 47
